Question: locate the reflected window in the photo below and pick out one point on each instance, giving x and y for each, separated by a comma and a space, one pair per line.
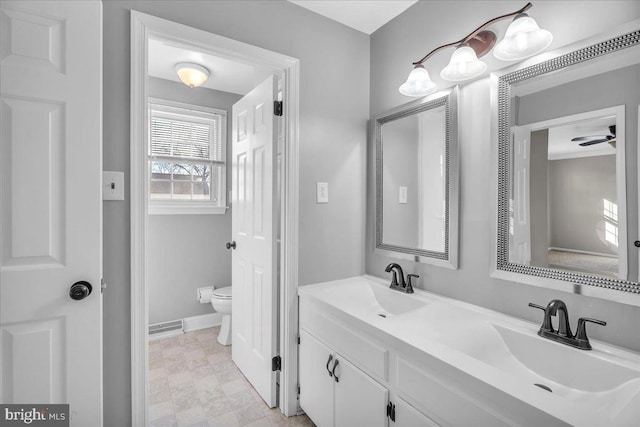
611, 221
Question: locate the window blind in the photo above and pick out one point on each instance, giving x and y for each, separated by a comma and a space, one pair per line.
185, 139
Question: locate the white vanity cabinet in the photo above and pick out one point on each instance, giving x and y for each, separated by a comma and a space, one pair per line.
407, 416
333, 392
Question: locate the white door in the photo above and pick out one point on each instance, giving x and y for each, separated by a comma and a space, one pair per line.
358, 399
316, 381
50, 205
519, 224
254, 325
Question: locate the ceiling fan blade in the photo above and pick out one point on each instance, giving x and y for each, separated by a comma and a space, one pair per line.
592, 142
589, 138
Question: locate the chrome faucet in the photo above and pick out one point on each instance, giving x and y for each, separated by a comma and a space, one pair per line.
397, 280
563, 334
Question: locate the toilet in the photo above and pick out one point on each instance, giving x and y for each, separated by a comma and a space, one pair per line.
221, 302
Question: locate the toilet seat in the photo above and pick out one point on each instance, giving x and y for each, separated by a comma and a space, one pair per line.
222, 293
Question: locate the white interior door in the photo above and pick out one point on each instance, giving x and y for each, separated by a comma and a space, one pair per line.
50, 205
254, 325
519, 223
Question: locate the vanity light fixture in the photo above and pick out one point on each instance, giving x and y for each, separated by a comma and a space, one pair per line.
193, 75
522, 39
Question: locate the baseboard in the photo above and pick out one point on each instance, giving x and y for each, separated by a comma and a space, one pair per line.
576, 251
201, 322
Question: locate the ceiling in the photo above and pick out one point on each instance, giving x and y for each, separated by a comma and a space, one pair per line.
363, 15
235, 77
561, 146
225, 75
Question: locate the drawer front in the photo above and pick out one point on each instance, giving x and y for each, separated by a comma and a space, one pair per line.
362, 352
440, 402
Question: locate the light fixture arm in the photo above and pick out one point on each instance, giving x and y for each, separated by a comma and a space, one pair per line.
474, 32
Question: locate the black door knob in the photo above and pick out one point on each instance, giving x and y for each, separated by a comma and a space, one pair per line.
80, 290
231, 245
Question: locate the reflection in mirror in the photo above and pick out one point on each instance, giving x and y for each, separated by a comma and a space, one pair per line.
413, 180
564, 209
416, 181
566, 215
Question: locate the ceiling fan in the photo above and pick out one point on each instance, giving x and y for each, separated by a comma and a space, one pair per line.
597, 139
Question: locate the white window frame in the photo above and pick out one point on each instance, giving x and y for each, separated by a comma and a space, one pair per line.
179, 207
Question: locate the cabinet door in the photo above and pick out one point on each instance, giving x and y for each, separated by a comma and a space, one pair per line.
408, 416
359, 400
316, 386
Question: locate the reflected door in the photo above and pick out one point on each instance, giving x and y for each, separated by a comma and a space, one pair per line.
51, 158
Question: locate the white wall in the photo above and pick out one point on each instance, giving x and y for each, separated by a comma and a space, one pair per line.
407, 38
334, 108
186, 252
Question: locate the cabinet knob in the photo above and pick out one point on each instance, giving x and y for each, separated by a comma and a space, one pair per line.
333, 371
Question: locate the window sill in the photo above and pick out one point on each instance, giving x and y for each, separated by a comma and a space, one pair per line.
184, 209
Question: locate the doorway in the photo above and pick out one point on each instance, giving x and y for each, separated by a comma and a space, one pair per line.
144, 29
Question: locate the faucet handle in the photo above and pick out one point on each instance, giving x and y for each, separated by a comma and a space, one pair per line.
546, 322
409, 287
581, 334
537, 306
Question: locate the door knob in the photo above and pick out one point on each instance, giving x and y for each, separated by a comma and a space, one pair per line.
231, 245
80, 290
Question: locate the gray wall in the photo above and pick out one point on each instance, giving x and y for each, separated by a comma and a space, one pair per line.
334, 108
406, 39
539, 199
577, 189
186, 252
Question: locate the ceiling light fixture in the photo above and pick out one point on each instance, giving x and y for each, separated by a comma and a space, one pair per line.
522, 39
193, 75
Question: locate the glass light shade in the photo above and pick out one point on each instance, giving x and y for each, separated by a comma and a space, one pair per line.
418, 83
522, 39
193, 75
464, 65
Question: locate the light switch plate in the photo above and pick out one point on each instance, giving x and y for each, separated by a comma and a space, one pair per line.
112, 185
402, 195
322, 192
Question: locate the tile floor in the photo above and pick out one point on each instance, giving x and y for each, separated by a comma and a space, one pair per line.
193, 382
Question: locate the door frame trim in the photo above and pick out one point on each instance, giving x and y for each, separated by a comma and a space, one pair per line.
144, 26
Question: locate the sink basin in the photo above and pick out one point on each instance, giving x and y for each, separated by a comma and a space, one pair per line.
578, 369
391, 302
589, 378
367, 299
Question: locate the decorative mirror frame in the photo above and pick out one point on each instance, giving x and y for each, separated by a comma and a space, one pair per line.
598, 286
449, 257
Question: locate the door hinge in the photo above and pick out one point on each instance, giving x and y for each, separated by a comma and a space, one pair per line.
277, 108
391, 411
298, 390
298, 339
276, 363
103, 286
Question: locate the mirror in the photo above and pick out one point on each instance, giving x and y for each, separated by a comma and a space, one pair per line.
567, 195
416, 181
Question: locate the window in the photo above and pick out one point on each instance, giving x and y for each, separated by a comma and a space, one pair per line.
186, 158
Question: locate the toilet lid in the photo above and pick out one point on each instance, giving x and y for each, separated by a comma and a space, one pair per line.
222, 292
